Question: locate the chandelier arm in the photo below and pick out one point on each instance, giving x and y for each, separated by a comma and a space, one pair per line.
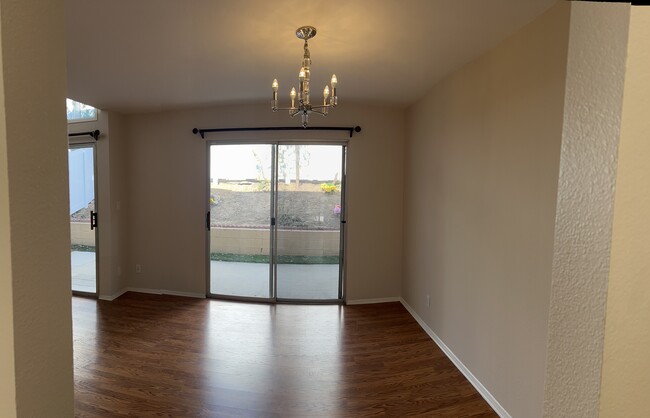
320, 112
283, 108
322, 107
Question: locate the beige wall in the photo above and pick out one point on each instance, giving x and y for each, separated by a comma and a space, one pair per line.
117, 204
35, 279
481, 170
592, 108
167, 189
626, 363
111, 190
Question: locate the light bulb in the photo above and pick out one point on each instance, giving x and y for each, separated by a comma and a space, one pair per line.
334, 81
275, 85
293, 93
301, 74
326, 92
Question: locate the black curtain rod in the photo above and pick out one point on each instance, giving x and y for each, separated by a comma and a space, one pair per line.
94, 134
202, 132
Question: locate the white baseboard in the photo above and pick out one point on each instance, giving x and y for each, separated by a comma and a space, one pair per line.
500, 410
369, 301
152, 292
165, 292
113, 296
144, 290
184, 294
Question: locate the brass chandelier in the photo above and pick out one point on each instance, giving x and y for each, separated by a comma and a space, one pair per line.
304, 107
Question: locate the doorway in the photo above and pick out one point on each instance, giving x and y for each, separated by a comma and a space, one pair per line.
83, 218
276, 221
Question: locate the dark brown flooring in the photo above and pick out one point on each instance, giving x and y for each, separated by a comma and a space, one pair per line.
144, 355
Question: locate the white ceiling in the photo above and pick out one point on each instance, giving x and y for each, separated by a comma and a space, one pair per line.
144, 55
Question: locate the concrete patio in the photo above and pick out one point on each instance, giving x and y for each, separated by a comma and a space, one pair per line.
295, 281
83, 271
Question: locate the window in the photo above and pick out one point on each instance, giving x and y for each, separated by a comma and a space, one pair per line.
79, 112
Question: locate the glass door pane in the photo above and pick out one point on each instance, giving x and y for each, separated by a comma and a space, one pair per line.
83, 251
309, 209
240, 215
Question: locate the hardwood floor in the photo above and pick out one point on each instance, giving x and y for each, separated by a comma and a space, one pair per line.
145, 355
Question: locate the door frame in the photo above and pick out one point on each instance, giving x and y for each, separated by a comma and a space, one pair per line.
273, 225
78, 144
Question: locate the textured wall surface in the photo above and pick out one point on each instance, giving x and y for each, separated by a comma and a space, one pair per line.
626, 362
481, 170
34, 130
594, 90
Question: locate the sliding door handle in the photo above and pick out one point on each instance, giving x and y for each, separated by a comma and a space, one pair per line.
93, 220
207, 220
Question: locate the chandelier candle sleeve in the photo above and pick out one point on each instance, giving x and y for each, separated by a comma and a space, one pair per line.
275, 93
302, 79
304, 106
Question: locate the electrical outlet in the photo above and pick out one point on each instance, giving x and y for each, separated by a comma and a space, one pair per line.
138, 268
428, 301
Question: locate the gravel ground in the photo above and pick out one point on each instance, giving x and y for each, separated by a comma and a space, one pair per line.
296, 209
83, 214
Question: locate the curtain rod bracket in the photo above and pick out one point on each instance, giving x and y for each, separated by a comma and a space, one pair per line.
94, 134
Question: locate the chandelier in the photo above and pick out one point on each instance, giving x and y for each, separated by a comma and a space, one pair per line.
304, 107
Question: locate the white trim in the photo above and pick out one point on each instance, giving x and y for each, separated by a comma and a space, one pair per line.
114, 295
82, 120
369, 301
500, 410
152, 292
144, 290
165, 292
185, 294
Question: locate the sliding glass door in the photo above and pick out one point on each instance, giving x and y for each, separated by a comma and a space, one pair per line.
275, 220
239, 220
309, 207
83, 218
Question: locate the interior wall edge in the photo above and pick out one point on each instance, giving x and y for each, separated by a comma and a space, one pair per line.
583, 227
32, 37
625, 381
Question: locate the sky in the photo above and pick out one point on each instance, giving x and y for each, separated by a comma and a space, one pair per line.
239, 162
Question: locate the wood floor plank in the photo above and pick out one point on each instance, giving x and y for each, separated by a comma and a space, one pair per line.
150, 355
